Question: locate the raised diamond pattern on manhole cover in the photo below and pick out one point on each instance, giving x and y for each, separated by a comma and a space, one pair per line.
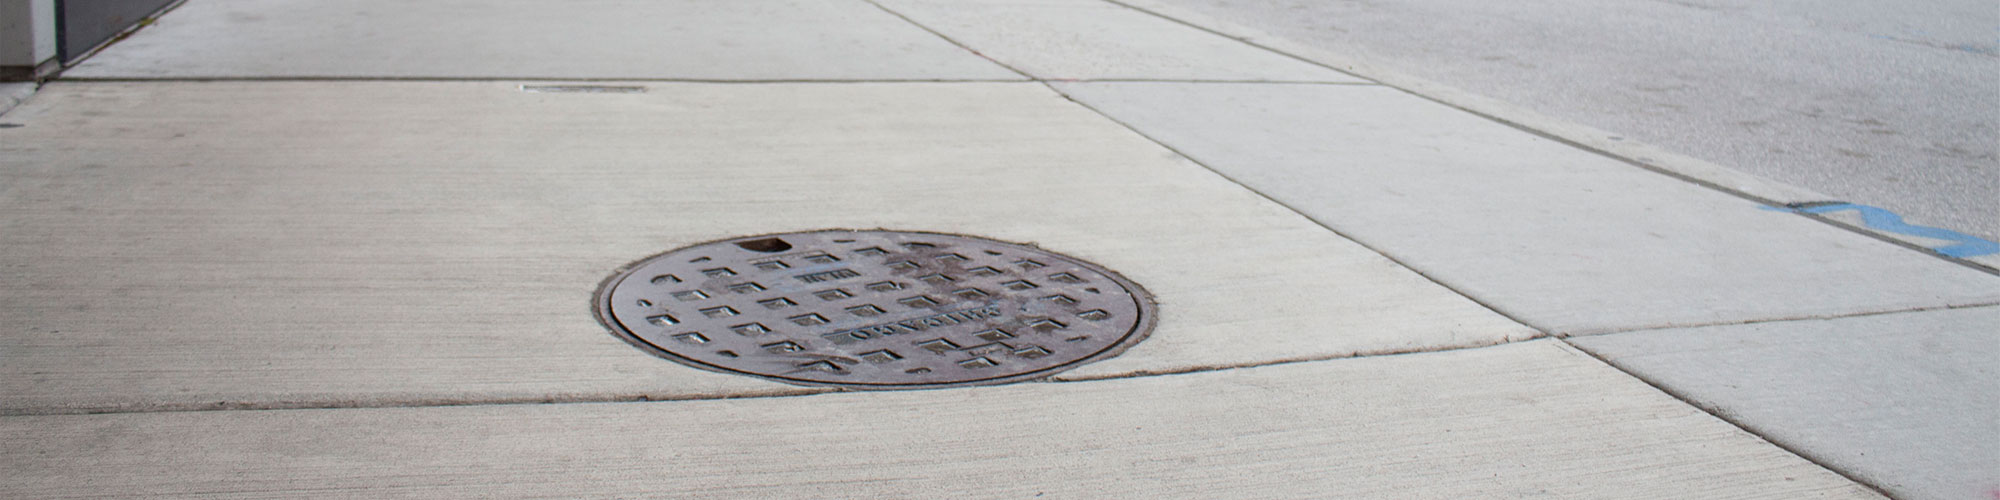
875, 309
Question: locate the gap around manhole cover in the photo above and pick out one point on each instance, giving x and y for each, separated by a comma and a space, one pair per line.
875, 309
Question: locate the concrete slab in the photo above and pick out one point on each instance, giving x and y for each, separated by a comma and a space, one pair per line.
186, 245
1568, 241
1532, 419
641, 39
1616, 144
1092, 39
12, 93
1909, 402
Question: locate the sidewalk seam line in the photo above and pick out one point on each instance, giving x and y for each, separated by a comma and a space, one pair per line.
1240, 40
444, 79
1540, 331
1821, 317
788, 392
1297, 360
948, 39
1718, 414
524, 78
1578, 145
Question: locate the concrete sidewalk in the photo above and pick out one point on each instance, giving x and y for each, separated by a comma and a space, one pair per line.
274, 248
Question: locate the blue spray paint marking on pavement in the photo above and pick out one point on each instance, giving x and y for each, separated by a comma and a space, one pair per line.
1884, 220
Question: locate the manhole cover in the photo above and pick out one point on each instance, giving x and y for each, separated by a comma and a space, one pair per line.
875, 309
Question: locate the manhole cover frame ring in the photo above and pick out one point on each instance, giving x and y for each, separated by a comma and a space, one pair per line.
1143, 301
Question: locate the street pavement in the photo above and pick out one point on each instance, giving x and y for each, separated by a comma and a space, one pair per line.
276, 249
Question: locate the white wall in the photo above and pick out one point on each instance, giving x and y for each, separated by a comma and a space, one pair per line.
27, 32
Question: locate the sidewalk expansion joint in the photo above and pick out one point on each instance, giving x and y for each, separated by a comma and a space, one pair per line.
338, 78
1302, 359
1323, 225
739, 81
1211, 169
1783, 319
1243, 40
1206, 80
1720, 414
791, 392
940, 35
406, 403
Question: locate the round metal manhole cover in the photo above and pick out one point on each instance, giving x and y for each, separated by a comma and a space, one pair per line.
875, 309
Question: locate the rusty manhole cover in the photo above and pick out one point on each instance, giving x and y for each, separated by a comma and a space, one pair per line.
875, 309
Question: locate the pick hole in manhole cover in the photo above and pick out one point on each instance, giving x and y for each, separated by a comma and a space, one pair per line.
875, 309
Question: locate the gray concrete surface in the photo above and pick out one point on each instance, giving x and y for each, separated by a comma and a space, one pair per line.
606, 39
1890, 104
13, 93
186, 245
1568, 241
1909, 401
1092, 39
391, 252
1534, 419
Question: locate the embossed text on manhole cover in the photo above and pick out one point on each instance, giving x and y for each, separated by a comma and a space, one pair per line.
875, 309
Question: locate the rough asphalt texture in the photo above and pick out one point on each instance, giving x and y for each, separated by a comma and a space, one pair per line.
1881, 103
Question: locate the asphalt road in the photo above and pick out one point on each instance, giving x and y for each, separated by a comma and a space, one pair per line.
1892, 104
